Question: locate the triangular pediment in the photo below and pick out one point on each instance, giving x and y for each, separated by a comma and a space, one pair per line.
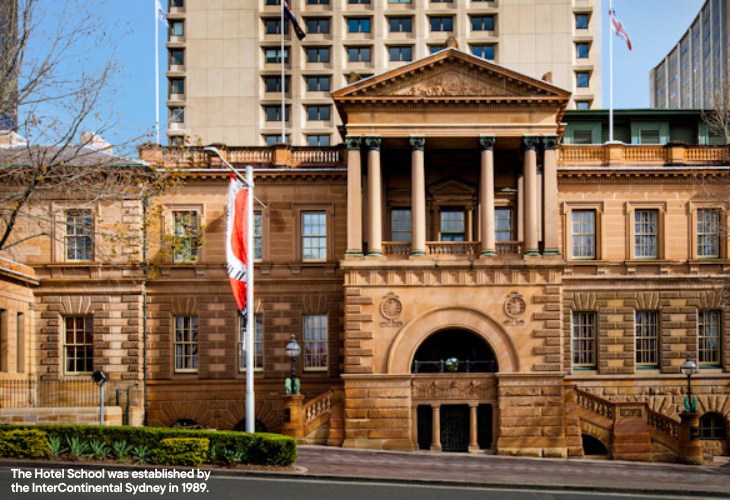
451, 74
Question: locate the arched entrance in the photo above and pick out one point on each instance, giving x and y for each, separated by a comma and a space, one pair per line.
454, 391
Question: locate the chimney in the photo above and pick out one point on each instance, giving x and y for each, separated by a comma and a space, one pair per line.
10, 139
94, 141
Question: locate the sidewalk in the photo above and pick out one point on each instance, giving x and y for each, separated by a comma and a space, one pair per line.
465, 469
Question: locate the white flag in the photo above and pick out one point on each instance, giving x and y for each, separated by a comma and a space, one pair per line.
161, 16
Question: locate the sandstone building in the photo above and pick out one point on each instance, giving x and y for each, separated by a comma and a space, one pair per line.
473, 270
224, 58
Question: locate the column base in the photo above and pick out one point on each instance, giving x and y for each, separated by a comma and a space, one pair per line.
418, 253
474, 448
532, 252
353, 253
375, 253
435, 447
487, 253
551, 252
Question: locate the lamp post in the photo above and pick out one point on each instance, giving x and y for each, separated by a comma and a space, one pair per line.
293, 350
100, 378
688, 369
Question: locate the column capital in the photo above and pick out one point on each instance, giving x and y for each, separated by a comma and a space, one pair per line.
530, 142
353, 142
487, 142
373, 143
417, 143
550, 142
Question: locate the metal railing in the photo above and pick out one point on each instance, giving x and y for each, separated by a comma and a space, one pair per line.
33, 393
462, 366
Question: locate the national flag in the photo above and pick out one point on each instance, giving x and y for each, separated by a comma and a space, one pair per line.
161, 16
294, 21
618, 28
236, 241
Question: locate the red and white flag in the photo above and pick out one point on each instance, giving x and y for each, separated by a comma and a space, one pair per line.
237, 253
618, 28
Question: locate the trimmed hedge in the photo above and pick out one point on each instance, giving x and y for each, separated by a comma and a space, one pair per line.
23, 443
259, 448
181, 451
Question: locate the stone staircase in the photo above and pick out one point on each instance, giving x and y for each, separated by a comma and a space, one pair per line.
318, 421
630, 430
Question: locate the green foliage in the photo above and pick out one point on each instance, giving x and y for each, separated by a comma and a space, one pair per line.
181, 451
233, 457
99, 449
141, 453
258, 448
122, 450
78, 447
23, 443
55, 446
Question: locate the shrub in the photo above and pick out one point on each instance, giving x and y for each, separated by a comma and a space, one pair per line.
99, 449
122, 450
274, 449
181, 451
55, 446
142, 453
24, 443
78, 447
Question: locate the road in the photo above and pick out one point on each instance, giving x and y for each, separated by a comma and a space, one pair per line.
285, 488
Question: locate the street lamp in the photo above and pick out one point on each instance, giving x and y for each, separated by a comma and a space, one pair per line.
100, 378
688, 369
293, 350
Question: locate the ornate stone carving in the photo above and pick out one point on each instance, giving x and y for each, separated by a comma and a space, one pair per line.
514, 307
353, 142
454, 389
550, 142
530, 142
487, 142
391, 308
450, 84
417, 143
373, 143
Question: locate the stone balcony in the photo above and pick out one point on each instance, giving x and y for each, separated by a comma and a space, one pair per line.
619, 154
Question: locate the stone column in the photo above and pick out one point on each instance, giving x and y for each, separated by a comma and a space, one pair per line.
294, 424
418, 197
354, 197
690, 446
375, 239
486, 198
473, 439
550, 196
436, 428
530, 174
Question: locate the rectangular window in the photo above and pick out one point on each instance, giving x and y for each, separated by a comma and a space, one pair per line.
359, 2
273, 113
318, 140
272, 139
399, 1
318, 83
452, 225
400, 224
441, 23
314, 348
482, 23
317, 54
708, 233
645, 234
186, 343
274, 55
358, 54
582, 79
708, 336
316, 25
78, 344
177, 85
432, 49
78, 234
646, 324
581, 21
273, 2
186, 235
177, 3
177, 28
582, 104
582, 136
584, 234
400, 53
400, 24
649, 136
177, 115
258, 236
177, 57
318, 113
318, 2
273, 83
314, 236
272, 26
503, 224
20, 343
584, 340
581, 50
258, 343
358, 25
483, 51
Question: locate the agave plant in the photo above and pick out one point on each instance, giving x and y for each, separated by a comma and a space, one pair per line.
55, 446
122, 449
141, 453
99, 449
77, 447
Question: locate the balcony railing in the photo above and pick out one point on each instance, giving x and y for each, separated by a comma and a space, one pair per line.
469, 249
461, 248
618, 154
32, 393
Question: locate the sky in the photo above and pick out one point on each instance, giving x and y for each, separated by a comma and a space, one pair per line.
654, 26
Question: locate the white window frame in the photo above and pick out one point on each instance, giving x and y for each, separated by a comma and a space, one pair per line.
87, 348
315, 348
584, 336
258, 342
187, 339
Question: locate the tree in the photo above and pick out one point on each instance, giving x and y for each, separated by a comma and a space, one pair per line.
51, 91
717, 119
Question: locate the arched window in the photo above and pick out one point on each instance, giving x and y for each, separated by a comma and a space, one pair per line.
712, 426
454, 351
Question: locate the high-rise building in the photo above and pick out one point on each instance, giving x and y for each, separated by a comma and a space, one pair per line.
224, 71
696, 68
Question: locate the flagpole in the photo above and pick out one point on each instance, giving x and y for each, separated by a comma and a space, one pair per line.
250, 328
610, 74
283, 86
157, 73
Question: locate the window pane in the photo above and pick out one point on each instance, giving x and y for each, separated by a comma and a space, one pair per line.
452, 225
645, 234
78, 234
79, 344
503, 224
314, 348
186, 235
400, 223
708, 335
186, 343
314, 236
584, 234
646, 338
258, 357
708, 233
584, 339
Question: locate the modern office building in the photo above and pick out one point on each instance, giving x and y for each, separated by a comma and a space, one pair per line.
224, 83
696, 68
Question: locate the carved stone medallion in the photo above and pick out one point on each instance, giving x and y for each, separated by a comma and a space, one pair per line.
391, 308
515, 307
